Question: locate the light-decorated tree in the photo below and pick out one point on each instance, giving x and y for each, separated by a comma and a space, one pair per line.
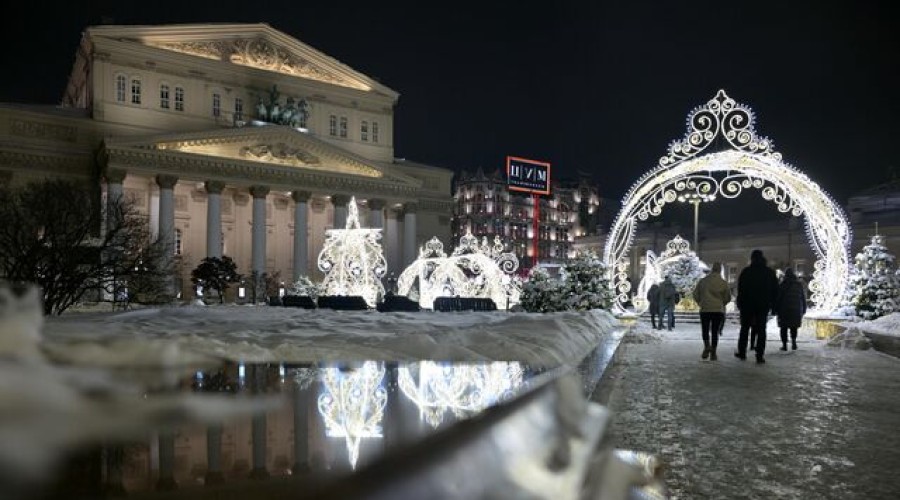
684, 271
305, 287
875, 285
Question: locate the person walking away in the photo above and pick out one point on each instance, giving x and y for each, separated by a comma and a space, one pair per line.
712, 294
668, 297
790, 306
757, 291
653, 300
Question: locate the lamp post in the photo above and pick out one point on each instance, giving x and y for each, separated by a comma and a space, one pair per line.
695, 199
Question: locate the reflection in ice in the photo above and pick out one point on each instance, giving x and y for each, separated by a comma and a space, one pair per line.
461, 389
352, 404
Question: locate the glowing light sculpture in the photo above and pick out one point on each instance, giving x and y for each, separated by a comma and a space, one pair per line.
473, 270
353, 260
352, 404
751, 162
463, 390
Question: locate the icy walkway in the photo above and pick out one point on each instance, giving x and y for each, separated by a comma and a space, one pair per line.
816, 423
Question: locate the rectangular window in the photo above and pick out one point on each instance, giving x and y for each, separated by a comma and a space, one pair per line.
121, 83
364, 131
332, 125
374, 131
344, 127
238, 109
135, 91
177, 241
164, 96
179, 98
217, 105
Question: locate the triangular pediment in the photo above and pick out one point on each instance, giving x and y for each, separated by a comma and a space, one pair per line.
271, 145
252, 45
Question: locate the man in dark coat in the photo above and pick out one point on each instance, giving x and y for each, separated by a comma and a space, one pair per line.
668, 298
790, 306
653, 300
757, 291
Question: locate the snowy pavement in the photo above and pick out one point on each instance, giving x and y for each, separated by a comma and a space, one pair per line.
820, 422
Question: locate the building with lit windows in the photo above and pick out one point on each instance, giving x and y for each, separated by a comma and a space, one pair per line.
233, 139
484, 206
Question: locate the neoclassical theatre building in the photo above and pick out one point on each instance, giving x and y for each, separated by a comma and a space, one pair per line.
235, 139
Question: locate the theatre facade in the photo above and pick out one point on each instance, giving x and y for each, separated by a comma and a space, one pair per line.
233, 139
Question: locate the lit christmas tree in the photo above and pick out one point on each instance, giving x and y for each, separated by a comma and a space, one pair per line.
684, 271
875, 284
353, 260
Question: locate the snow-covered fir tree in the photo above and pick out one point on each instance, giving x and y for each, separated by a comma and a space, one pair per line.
684, 271
875, 286
540, 292
304, 287
586, 283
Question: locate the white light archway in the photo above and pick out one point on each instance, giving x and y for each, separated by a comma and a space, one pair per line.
750, 162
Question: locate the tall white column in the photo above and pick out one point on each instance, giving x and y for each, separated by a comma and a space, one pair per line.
301, 231
167, 222
258, 253
409, 234
376, 214
114, 195
340, 202
214, 218
392, 248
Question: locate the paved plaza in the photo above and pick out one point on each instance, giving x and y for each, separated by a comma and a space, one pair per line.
818, 423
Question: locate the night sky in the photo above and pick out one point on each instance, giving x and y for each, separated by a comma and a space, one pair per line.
597, 87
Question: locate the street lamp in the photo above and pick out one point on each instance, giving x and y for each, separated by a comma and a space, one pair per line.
695, 199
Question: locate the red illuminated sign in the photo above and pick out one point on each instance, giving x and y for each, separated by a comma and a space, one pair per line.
530, 176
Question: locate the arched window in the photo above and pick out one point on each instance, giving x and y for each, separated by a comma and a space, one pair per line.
121, 84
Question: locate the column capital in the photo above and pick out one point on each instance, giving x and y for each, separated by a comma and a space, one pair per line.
214, 187
410, 208
115, 175
166, 181
340, 200
301, 196
259, 191
376, 204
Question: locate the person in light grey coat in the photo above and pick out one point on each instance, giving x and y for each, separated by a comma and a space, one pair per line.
790, 306
712, 295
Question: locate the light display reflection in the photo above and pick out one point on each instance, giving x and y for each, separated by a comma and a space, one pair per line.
463, 390
352, 404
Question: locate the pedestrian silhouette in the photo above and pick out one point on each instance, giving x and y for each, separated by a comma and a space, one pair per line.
757, 291
653, 300
790, 306
668, 297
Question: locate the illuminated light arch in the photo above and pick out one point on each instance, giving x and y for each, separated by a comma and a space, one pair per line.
751, 162
473, 270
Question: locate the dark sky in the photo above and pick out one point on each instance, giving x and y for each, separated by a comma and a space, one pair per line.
600, 87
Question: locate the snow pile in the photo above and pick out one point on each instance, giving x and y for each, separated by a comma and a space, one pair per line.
885, 325
851, 338
185, 335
